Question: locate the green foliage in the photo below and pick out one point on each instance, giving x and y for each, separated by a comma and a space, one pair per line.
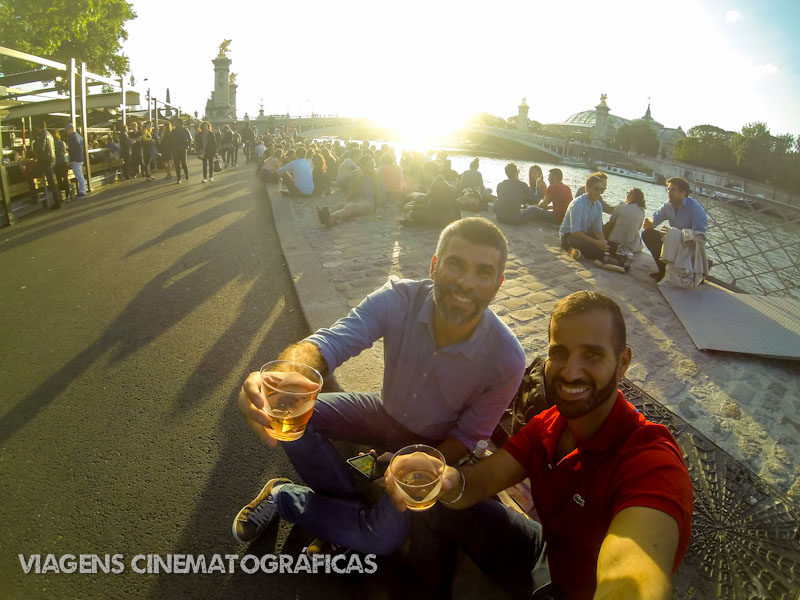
88, 30
639, 136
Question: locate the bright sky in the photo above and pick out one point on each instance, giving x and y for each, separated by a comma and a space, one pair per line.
433, 63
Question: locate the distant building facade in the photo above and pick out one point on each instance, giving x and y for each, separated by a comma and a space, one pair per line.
600, 126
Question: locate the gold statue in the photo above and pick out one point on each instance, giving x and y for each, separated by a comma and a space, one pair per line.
232, 78
223, 47
603, 98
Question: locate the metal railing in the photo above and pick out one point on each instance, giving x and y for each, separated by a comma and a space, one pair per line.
755, 244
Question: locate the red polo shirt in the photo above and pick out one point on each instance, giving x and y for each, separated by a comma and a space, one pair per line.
629, 461
561, 196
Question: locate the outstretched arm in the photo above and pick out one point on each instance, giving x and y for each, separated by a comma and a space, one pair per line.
637, 555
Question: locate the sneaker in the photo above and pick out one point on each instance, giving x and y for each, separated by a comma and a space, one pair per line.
211, 179
575, 253
178, 182
318, 546
324, 216
254, 518
658, 275
204, 180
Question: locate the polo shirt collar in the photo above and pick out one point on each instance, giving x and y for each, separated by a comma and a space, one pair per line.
622, 418
469, 347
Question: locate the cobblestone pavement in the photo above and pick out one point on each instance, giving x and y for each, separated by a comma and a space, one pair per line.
747, 405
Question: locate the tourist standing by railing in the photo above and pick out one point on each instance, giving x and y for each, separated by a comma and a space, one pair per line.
43, 149
77, 151
62, 164
165, 148
125, 150
207, 150
136, 150
149, 149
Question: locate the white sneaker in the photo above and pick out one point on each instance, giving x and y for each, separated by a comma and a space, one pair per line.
204, 180
211, 179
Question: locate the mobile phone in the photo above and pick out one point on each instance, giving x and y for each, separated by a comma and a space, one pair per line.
368, 466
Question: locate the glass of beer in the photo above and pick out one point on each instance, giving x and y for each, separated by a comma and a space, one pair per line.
417, 471
291, 390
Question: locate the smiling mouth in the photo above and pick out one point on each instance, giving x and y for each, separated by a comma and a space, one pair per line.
461, 299
570, 392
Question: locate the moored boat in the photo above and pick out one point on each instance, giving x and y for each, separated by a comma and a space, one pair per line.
625, 172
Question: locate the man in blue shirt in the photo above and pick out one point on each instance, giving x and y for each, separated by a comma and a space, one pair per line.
682, 211
451, 367
298, 175
581, 230
76, 153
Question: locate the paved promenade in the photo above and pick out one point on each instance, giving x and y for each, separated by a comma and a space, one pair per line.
749, 406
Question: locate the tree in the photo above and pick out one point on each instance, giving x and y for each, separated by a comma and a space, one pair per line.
638, 135
88, 30
753, 151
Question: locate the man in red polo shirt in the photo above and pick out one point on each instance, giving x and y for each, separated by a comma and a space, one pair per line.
610, 488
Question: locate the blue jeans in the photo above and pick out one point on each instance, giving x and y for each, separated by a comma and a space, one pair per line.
330, 505
505, 544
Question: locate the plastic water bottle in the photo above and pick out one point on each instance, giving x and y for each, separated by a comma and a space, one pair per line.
482, 449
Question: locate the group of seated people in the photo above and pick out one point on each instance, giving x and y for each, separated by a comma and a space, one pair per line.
611, 492
432, 194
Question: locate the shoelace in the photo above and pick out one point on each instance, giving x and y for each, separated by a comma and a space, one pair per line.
259, 514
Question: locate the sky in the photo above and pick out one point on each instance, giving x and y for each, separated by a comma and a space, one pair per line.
429, 65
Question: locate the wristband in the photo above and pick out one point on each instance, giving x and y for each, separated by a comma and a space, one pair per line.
461, 493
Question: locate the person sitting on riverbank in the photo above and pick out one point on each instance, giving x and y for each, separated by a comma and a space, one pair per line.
558, 195
512, 195
472, 179
536, 183
438, 208
450, 367
366, 193
269, 170
392, 179
298, 176
623, 230
607, 208
347, 169
319, 173
581, 231
681, 211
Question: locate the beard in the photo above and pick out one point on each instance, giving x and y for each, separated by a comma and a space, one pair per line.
457, 314
574, 410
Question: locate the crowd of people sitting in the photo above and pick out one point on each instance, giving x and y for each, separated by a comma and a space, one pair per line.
432, 194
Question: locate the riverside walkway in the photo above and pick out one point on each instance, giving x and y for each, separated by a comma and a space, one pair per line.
722, 408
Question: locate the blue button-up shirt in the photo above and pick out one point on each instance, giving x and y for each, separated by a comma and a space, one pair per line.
459, 390
689, 215
582, 215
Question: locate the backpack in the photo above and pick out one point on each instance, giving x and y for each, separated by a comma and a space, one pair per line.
531, 397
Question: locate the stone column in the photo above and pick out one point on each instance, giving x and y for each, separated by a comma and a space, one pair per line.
600, 133
522, 117
232, 100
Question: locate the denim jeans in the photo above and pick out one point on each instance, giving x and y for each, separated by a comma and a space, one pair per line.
330, 505
77, 169
505, 544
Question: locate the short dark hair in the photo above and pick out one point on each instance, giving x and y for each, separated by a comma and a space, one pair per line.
300, 152
511, 170
477, 230
680, 183
584, 301
558, 173
473, 164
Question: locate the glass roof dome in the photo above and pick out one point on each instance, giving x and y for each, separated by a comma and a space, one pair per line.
588, 118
